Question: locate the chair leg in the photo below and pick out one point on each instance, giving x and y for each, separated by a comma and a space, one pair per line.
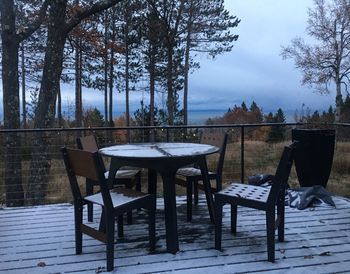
152, 227
89, 191
129, 218
120, 226
280, 214
129, 215
195, 191
138, 181
189, 189
233, 219
78, 220
218, 224
218, 183
270, 229
110, 242
102, 226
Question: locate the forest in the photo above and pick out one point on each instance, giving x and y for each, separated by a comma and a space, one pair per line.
105, 45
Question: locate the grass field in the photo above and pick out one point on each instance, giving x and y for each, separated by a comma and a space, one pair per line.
260, 157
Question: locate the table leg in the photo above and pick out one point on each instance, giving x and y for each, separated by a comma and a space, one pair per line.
152, 181
172, 239
206, 183
113, 168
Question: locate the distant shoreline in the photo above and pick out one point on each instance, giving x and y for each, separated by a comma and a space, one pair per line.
195, 116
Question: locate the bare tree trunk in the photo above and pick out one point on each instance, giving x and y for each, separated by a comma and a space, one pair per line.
111, 83
24, 102
127, 74
170, 98
105, 60
59, 108
111, 70
78, 84
11, 105
45, 112
338, 102
187, 64
152, 79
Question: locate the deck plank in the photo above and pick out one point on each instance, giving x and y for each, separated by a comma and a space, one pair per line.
45, 234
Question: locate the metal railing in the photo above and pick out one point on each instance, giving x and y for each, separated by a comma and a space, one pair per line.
250, 150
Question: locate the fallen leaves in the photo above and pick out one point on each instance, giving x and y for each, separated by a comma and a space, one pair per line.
41, 264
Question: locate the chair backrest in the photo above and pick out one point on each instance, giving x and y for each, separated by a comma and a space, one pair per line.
220, 140
89, 143
85, 164
280, 179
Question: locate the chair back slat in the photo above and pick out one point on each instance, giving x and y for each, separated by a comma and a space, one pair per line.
280, 179
212, 138
221, 160
85, 164
89, 143
216, 139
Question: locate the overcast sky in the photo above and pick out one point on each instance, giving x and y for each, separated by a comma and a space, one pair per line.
254, 70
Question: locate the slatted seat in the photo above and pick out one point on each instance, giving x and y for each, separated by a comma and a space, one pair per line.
127, 176
114, 203
191, 171
119, 196
247, 192
259, 198
190, 177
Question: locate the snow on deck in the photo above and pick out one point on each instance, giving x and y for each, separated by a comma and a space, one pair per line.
41, 240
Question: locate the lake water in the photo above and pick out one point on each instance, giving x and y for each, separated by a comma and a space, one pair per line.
199, 116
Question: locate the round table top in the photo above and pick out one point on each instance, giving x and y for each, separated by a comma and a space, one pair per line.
158, 150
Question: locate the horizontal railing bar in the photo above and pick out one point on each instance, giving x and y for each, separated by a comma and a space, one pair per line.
147, 127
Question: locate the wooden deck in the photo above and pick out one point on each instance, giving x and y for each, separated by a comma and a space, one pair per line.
41, 240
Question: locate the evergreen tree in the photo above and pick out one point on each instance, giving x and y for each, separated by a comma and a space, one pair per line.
276, 133
256, 113
244, 107
208, 28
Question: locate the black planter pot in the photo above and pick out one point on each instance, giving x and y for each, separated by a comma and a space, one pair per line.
313, 155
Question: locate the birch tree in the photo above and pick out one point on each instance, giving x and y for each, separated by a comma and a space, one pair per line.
326, 62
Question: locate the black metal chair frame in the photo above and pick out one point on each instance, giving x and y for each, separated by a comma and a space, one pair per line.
260, 198
192, 179
88, 165
89, 143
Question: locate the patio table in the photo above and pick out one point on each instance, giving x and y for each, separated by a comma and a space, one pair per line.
166, 159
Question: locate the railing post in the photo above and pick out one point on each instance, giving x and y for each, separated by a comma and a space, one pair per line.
242, 154
167, 135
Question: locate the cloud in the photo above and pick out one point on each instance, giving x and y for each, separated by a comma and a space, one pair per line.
254, 70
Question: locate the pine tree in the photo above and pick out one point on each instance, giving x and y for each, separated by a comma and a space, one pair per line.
276, 133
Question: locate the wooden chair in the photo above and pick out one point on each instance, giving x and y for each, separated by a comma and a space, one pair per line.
114, 202
189, 177
128, 176
261, 198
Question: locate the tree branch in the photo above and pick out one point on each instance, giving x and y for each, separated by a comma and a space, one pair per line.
35, 24
95, 8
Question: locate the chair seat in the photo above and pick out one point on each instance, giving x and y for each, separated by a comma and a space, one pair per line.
191, 172
247, 192
124, 173
120, 196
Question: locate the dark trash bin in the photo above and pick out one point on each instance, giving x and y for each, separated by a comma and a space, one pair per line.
314, 155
